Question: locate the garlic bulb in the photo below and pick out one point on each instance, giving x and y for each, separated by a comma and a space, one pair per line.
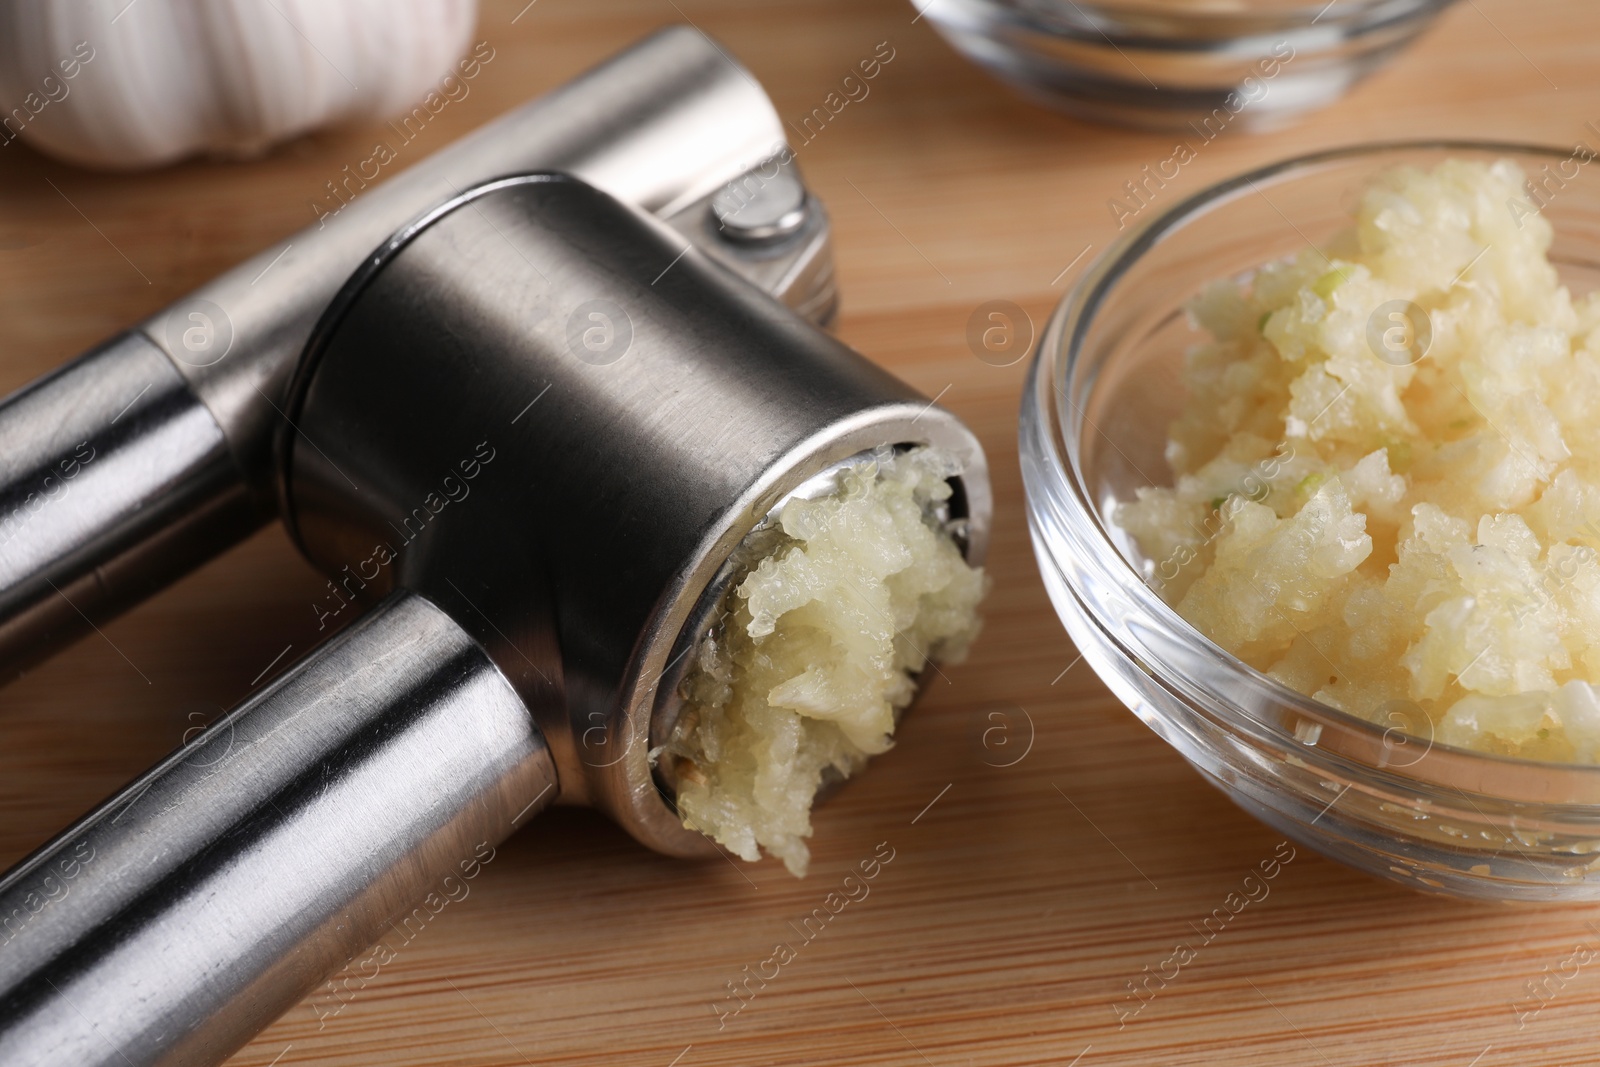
135, 83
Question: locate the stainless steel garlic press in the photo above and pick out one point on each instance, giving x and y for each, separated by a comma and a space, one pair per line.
528, 431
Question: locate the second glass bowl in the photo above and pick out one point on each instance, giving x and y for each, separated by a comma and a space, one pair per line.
1201, 64
1103, 387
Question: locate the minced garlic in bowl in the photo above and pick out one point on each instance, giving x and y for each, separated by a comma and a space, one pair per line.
1387, 471
851, 594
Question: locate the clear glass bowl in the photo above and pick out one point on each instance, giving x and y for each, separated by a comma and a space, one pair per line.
1199, 64
1102, 389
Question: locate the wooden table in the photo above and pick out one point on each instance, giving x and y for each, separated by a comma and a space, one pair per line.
1022, 899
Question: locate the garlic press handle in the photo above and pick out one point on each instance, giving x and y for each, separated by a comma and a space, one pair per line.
318, 826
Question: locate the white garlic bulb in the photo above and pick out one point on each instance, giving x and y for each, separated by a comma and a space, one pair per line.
134, 83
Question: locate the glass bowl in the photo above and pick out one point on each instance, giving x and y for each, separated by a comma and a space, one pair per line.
1198, 64
1101, 391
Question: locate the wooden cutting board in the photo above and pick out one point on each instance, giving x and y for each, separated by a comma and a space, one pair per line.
1021, 899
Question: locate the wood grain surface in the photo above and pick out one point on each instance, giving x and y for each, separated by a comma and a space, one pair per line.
1021, 899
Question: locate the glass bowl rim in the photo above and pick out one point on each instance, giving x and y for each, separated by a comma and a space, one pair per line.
1052, 366
1141, 23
